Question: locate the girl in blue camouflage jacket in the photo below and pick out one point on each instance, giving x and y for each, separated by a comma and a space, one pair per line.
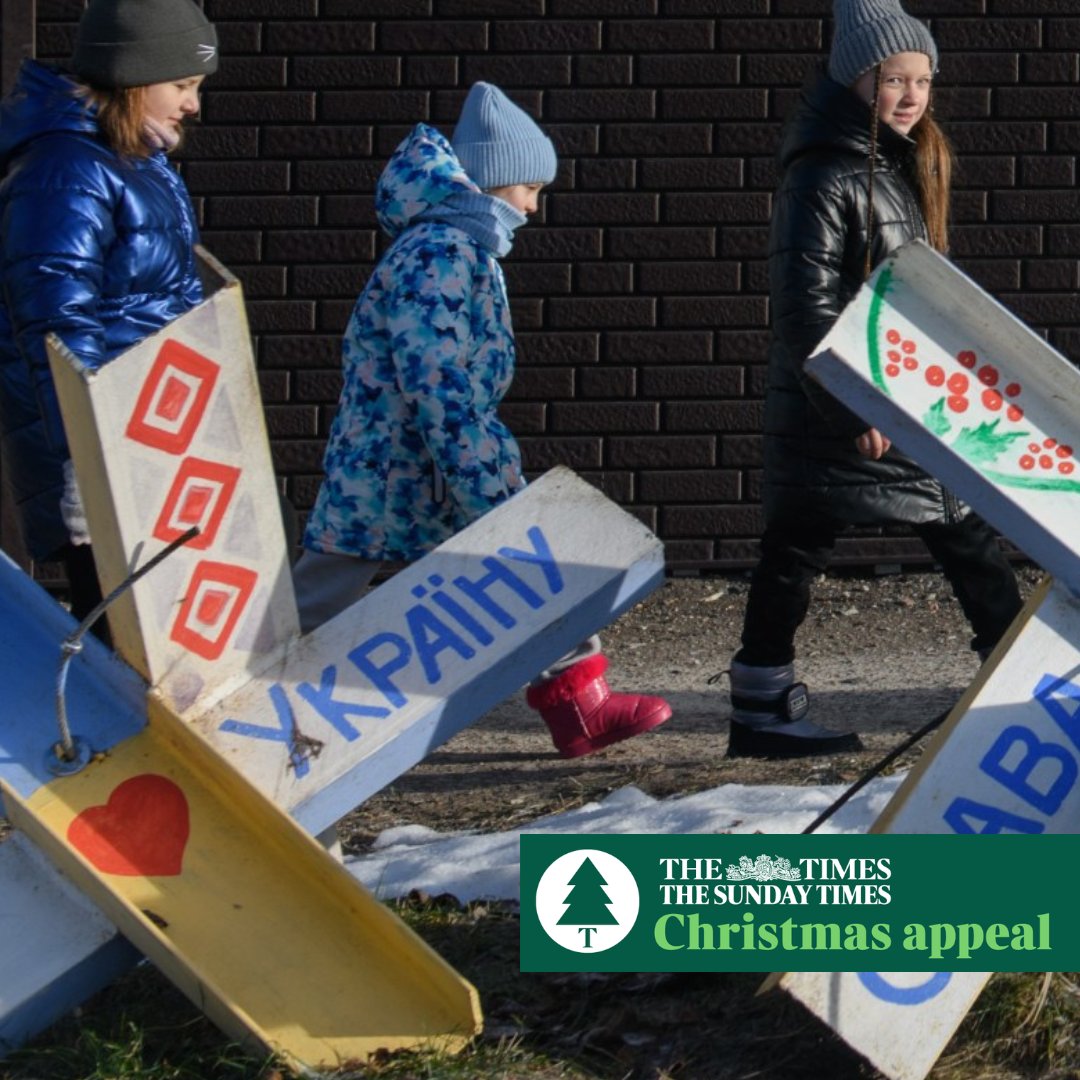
417, 450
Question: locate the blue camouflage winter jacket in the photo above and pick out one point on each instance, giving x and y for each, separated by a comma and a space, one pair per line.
93, 247
417, 450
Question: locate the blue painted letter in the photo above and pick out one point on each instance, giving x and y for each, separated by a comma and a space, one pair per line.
321, 699
380, 675
431, 636
1049, 693
497, 572
282, 734
1017, 777
541, 556
995, 820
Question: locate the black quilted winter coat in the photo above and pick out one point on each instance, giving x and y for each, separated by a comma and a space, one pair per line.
817, 251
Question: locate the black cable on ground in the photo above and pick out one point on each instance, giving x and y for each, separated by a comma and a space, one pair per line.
874, 770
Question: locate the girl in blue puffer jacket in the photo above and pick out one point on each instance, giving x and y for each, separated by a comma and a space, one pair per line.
96, 237
417, 450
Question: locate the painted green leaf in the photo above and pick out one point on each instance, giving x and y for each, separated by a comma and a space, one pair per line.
985, 443
935, 419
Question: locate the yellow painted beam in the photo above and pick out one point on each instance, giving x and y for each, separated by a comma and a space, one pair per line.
240, 908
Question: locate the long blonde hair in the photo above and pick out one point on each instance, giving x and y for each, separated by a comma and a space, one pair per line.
121, 113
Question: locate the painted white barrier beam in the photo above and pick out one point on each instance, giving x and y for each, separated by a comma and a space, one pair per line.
971, 393
899, 1021
1006, 761
169, 435
1008, 758
983, 403
446, 639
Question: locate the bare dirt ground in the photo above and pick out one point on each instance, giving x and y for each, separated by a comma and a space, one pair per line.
881, 655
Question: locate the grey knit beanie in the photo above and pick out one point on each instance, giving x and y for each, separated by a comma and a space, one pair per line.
870, 31
140, 42
499, 144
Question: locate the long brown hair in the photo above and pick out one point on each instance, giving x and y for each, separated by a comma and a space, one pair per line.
121, 112
933, 173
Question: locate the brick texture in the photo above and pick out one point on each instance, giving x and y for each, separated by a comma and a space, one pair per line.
639, 294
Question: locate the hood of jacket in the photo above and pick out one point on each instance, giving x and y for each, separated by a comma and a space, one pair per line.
424, 181
41, 103
830, 118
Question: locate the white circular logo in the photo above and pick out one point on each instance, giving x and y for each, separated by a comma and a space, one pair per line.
587, 901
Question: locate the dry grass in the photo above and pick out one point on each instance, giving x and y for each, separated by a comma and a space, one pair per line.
557, 1027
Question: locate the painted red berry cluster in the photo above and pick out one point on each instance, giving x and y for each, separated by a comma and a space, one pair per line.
981, 382
957, 385
1046, 455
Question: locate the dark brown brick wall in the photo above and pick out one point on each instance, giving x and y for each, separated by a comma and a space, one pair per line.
639, 295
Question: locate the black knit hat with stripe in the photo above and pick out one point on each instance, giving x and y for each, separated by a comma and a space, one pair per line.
140, 42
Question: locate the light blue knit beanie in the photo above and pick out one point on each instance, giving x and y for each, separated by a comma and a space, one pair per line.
499, 144
870, 31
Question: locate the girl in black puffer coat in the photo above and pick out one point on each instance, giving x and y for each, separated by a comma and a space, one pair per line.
865, 170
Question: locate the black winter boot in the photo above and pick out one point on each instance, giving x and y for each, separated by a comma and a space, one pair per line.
768, 718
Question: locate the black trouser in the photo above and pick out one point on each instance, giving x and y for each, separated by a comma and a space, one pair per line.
794, 551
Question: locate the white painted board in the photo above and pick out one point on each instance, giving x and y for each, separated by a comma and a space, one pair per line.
899, 1021
971, 393
1008, 758
1006, 761
171, 433
984, 404
167, 435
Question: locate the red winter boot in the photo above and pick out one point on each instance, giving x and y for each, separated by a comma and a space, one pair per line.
583, 714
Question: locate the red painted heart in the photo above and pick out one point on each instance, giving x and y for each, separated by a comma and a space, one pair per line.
140, 832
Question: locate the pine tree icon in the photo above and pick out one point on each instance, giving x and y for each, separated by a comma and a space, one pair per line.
589, 903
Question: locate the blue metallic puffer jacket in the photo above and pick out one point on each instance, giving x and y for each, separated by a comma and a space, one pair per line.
93, 247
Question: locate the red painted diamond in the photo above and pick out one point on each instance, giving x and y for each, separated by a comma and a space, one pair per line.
200, 495
213, 603
173, 399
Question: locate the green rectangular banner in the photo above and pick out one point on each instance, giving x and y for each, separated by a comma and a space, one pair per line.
787, 902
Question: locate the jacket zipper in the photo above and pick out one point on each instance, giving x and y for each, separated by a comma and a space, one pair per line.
952, 506
178, 193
